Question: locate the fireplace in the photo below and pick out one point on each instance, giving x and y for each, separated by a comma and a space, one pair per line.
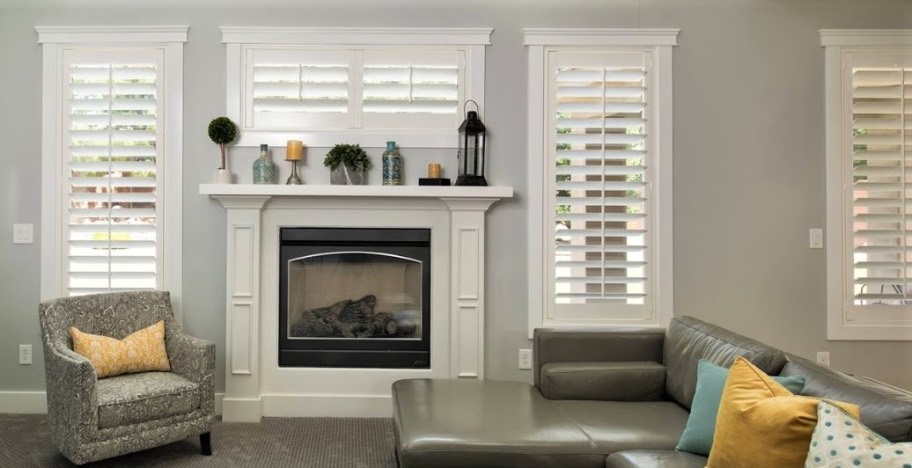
354, 297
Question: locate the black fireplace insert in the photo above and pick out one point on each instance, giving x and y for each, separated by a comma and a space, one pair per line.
353, 297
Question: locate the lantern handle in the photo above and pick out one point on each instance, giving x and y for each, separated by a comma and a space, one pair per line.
467, 103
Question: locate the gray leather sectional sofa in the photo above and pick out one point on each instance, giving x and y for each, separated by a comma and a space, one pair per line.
607, 398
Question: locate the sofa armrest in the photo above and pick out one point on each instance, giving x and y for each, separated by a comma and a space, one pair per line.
194, 358
613, 381
71, 397
595, 345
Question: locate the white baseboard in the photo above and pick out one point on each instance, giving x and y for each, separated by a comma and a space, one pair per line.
242, 409
23, 402
345, 406
36, 402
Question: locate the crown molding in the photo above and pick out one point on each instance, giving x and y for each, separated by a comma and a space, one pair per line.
593, 36
865, 37
355, 36
110, 34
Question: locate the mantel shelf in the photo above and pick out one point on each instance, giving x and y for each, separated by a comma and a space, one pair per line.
400, 191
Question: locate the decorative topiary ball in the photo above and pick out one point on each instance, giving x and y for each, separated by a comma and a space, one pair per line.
222, 130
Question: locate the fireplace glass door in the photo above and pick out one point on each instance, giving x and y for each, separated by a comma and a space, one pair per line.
354, 298
354, 295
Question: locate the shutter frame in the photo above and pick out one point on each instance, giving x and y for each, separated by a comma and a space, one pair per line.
111, 216
598, 100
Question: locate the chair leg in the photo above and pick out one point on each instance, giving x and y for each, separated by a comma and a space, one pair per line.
206, 443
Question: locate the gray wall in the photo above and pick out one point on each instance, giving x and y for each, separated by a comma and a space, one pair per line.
749, 158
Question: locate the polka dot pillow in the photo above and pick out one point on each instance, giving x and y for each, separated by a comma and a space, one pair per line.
839, 440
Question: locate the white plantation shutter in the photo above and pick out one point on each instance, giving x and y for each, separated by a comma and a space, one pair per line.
599, 152
295, 89
412, 89
112, 131
881, 174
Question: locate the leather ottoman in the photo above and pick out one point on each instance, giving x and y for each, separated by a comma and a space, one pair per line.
449, 423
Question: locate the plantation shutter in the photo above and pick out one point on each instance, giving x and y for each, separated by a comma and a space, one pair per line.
298, 89
881, 210
601, 205
412, 89
112, 133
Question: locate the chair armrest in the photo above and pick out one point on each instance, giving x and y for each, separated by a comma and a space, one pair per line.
71, 397
595, 345
194, 358
610, 381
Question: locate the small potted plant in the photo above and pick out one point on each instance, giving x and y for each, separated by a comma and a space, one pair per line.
222, 132
348, 165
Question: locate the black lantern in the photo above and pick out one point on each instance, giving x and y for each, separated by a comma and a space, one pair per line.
471, 156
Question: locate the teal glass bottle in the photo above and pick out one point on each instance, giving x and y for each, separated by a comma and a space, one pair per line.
264, 170
392, 165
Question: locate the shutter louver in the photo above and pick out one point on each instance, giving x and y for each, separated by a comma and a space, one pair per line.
881, 174
414, 89
600, 200
295, 89
111, 152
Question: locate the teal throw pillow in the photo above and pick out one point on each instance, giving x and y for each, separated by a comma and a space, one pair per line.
701, 424
840, 440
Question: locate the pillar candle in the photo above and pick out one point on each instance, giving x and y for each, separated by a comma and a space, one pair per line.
434, 170
294, 150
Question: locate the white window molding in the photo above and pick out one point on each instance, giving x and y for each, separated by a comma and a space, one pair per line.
655, 46
164, 44
347, 49
868, 98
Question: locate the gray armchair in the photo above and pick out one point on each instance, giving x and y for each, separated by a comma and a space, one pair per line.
93, 419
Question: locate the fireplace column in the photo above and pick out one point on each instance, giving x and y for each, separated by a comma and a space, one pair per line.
242, 299
467, 234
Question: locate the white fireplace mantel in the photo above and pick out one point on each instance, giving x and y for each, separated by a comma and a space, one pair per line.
255, 385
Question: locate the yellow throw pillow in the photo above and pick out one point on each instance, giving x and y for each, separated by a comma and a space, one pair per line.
141, 351
760, 423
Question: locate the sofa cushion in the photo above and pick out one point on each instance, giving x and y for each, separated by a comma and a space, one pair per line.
761, 424
688, 340
616, 381
701, 424
135, 398
841, 440
613, 426
450, 423
885, 409
654, 459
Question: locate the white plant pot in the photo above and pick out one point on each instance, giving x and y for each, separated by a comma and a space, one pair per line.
221, 176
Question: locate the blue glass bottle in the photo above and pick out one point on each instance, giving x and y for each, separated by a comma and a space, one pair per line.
392, 165
264, 170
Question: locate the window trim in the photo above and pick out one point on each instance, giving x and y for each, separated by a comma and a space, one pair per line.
472, 40
838, 42
54, 39
539, 41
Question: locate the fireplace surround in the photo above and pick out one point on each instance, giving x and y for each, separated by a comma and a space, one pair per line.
255, 384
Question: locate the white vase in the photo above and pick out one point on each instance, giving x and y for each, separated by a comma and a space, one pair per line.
221, 176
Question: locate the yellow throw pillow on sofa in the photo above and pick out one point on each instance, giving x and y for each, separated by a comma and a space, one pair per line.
760, 423
141, 351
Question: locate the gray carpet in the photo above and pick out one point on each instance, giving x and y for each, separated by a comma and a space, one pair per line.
274, 443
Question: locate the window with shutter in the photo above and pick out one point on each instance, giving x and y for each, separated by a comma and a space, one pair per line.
413, 89
358, 85
605, 140
112, 124
881, 146
298, 89
601, 207
869, 211
111, 159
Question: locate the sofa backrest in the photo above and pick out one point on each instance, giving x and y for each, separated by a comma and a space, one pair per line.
688, 340
887, 410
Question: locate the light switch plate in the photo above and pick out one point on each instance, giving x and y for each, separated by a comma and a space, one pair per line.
23, 233
816, 238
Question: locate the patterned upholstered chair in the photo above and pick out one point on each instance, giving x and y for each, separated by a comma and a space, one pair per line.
92, 419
